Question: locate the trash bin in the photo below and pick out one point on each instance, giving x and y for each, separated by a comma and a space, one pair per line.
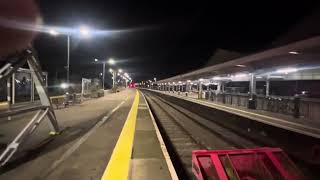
252, 102
296, 109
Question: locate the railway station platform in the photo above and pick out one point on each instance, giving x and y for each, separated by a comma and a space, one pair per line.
274, 119
113, 137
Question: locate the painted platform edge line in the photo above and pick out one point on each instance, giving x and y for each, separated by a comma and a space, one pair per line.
118, 166
3, 103
164, 150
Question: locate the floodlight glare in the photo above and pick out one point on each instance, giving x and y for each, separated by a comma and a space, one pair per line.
111, 61
287, 70
64, 85
120, 70
53, 32
293, 52
84, 31
240, 75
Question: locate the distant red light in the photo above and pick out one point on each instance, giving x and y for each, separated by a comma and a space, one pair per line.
132, 85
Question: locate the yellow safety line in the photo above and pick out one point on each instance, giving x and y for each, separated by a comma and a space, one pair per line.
118, 166
56, 97
3, 103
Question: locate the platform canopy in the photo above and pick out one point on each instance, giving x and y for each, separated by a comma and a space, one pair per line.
298, 55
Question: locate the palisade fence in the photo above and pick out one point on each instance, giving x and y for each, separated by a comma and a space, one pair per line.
309, 107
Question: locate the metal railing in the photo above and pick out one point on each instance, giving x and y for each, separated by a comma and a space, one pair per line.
308, 108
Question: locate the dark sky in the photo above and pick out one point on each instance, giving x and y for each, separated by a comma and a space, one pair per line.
166, 37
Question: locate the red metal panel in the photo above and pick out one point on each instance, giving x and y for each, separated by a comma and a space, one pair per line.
247, 164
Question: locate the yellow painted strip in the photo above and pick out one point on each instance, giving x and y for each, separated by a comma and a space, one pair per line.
3, 103
56, 97
118, 166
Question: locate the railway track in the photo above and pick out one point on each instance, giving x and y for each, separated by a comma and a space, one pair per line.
185, 131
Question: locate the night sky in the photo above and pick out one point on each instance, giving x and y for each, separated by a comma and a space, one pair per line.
164, 38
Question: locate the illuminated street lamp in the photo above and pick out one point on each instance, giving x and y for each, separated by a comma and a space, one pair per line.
83, 31
53, 32
103, 71
111, 61
64, 85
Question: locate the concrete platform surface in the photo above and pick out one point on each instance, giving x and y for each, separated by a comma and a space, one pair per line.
148, 160
81, 151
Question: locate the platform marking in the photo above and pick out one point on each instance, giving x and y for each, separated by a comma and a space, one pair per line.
163, 147
118, 166
4, 103
76, 145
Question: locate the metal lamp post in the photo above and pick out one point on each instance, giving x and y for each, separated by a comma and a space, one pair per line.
103, 74
68, 59
83, 31
103, 71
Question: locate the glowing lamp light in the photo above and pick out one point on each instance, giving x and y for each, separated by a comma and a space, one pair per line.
64, 85
293, 52
240, 65
240, 75
111, 61
287, 70
84, 31
53, 32
216, 78
120, 70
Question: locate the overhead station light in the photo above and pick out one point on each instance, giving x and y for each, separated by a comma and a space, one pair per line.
293, 52
53, 32
287, 70
240, 75
217, 78
241, 65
